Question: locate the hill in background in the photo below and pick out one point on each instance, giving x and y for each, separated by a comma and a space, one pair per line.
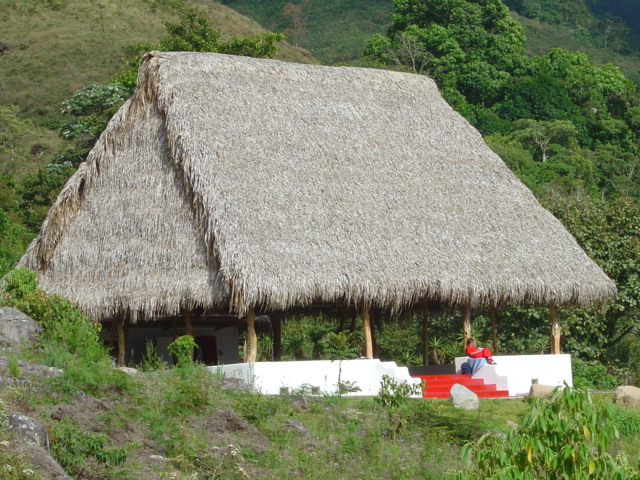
332, 30
49, 50
336, 31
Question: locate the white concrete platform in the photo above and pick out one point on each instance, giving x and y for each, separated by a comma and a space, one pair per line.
322, 376
516, 373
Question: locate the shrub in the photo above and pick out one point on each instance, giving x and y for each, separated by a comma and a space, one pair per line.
182, 350
340, 346
188, 390
67, 339
151, 360
394, 396
592, 375
564, 437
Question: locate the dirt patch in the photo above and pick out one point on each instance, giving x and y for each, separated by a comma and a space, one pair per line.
225, 427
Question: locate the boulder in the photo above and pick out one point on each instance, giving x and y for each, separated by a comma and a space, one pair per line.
298, 427
42, 461
541, 391
628, 396
15, 327
29, 430
462, 397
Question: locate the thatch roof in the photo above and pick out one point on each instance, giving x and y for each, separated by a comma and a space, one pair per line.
237, 182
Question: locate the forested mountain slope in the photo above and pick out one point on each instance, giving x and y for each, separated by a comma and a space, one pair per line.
338, 30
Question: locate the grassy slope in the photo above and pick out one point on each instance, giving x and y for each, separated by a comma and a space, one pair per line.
55, 51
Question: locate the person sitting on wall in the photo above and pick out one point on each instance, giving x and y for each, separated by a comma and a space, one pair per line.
475, 352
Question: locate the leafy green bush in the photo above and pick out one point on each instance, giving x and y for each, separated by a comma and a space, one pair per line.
340, 346
565, 437
182, 350
393, 397
592, 375
188, 390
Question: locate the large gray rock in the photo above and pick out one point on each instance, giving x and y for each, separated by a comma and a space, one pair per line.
628, 396
541, 391
42, 461
15, 327
28, 430
462, 397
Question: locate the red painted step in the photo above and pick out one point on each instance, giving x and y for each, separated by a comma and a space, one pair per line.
438, 386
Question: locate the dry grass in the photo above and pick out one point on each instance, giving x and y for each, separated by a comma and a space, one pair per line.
254, 182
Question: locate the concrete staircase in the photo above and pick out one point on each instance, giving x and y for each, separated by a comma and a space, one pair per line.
438, 386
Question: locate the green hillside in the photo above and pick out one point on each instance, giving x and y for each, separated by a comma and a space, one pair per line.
53, 49
338, 30
542, 37
333, 30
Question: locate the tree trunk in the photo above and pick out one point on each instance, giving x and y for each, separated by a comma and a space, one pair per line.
466, 324
122, 341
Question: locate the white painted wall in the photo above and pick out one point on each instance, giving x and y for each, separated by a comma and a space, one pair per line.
516, 373
270, 377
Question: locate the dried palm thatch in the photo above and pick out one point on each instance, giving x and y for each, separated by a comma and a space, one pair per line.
236, 182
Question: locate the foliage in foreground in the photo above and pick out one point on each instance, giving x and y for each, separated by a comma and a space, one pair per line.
567, 436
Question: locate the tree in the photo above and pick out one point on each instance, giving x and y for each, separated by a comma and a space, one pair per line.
543, 133
610, 28
295, 30
16, 134
609, 232
470, 47
409, 51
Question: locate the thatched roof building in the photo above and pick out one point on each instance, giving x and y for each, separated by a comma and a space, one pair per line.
233, 183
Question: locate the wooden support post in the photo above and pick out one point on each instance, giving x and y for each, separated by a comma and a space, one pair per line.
373, 322
366, 326
555, 329
425, 332
122, 341
251, 352
187, 322
494, 332
188, 327
466, 324
113, 333
276, 324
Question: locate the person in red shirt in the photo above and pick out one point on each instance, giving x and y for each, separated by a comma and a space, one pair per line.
475, 352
